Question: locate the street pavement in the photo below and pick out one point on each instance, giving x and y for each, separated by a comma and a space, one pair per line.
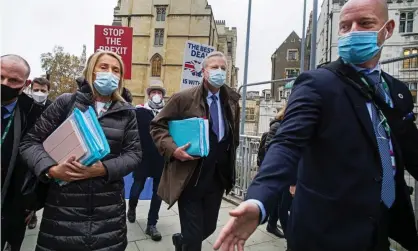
168, 225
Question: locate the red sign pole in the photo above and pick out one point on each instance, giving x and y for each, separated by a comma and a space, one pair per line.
117, 39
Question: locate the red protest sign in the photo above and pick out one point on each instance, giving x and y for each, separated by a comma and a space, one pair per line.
117, 39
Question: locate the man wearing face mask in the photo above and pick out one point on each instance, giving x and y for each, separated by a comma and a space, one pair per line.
152, 162
40, 88
18, 114
197, 184
352, 128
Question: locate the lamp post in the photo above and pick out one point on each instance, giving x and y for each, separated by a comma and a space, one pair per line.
313, 36
303, 45
273, 74
247, 48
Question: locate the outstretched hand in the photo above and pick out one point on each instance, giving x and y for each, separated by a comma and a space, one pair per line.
244, 221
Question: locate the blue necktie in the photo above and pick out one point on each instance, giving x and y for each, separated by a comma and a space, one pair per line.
213, 109
388, 181
4, 113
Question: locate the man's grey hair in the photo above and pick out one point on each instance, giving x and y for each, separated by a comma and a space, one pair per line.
213, 54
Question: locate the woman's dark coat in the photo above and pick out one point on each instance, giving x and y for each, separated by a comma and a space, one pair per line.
266, 139
87, 214
152, 162
274, 126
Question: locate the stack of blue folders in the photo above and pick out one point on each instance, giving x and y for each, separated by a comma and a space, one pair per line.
194, 131
81, 136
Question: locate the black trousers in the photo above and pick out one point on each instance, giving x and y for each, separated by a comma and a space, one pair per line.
284, 209
199, 215
136, 190
13, 228
381, 233
274, 215
281, 211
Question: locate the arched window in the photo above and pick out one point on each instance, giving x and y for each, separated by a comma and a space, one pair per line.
156, 62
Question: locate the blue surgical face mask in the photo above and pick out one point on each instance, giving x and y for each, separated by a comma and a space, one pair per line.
358, 47
106, 83
217, 77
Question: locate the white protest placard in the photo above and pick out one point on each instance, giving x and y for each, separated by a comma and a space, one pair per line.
194, 53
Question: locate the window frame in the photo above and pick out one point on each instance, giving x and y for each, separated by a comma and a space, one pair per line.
158, 37
156, 65
250, 116
411, 63
405, 21
161, 12
297, 72
296, 54
229, 46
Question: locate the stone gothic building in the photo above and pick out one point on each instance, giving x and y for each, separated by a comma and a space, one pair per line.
160, 30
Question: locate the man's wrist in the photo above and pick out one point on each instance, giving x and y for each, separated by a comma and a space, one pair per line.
262, 212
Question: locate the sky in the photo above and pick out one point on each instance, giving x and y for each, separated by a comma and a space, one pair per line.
32, 27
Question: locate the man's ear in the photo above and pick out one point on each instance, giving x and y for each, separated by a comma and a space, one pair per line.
390, 28
28, 82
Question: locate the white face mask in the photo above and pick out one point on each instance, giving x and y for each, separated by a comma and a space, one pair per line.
39, 97
156, 99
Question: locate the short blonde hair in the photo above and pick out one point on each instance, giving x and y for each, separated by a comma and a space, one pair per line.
280, 114
89, 71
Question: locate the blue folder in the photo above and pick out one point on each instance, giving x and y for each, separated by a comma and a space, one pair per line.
194, 131
96, 134
92, 136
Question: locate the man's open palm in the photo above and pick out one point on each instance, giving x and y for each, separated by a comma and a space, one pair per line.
244, 221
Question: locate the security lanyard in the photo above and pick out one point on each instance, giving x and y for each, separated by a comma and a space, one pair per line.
7, 128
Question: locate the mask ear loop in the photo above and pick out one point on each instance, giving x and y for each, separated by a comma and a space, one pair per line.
380, 136
387, 33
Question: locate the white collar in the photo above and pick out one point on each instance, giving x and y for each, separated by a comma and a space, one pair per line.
210, 94
377, 68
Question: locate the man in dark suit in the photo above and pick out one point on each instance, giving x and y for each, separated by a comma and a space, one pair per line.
351, 126
18, 114
152, 162
199, 183
40, 88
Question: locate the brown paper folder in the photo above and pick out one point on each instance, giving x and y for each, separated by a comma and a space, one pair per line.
65, 142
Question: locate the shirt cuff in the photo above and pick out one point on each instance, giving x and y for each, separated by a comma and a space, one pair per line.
261, 207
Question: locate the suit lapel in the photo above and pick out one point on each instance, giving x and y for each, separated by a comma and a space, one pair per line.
16, 142
395, 92
362, 113
358, 101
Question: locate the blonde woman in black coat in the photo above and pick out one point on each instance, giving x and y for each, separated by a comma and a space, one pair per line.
89, 212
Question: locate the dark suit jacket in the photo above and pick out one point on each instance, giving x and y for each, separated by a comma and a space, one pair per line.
48, 103
27, 112
327, 126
